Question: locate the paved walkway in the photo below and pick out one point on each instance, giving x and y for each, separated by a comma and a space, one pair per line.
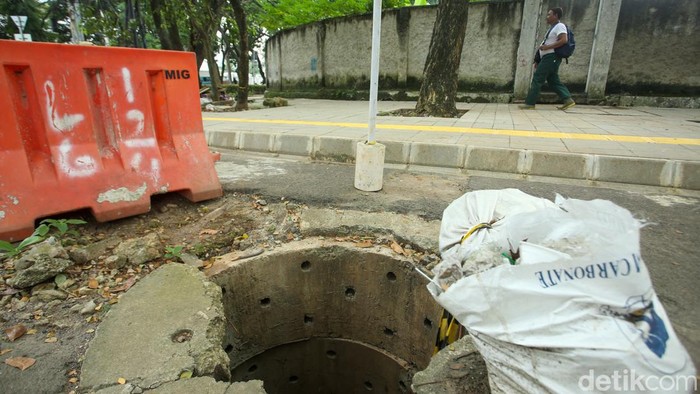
655, 146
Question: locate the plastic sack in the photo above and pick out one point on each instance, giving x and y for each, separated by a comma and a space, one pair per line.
576, 305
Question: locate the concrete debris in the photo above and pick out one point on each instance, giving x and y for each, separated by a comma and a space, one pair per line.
44, 261
138, 250
137, 339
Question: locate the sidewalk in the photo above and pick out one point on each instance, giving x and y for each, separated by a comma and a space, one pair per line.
640, 145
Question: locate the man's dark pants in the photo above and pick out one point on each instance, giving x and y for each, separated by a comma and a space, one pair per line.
547, 70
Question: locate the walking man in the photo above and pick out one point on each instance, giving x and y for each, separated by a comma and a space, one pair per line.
548, 67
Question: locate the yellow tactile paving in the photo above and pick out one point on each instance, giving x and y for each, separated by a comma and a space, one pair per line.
470, 130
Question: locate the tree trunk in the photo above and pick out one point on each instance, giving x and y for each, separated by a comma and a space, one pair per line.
243, 64
260, 68
213, 74
197, 47
440, 74
156, 7
173, 31
141, 25
128, 16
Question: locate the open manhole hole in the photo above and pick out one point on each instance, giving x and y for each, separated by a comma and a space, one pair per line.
328, 318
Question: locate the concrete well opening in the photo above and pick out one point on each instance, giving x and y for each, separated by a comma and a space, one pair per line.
321, 316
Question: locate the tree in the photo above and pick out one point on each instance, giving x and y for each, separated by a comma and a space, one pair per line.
204, 18
165, 25
283, 14
440, 74
243, 58
35, 13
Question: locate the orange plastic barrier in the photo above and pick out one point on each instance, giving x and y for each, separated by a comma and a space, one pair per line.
98, 128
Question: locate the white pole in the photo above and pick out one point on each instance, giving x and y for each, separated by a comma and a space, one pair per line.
374, 71
369, 157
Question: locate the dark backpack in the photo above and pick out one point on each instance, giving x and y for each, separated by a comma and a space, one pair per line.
567, 50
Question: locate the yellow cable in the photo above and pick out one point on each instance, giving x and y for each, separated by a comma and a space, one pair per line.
473, 230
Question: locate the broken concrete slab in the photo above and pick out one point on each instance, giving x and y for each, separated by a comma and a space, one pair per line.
405, 228
170, 322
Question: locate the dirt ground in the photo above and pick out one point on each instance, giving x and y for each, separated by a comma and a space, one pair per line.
57, 332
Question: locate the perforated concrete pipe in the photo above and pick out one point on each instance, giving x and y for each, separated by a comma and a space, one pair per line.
322, 316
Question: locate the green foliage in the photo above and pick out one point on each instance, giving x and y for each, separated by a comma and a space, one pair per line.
37, 236
61, 225
283, 14
273, 102
173, 252
35, 12
40, 233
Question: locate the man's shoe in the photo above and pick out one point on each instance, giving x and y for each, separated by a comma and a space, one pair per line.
526, 106
568, 104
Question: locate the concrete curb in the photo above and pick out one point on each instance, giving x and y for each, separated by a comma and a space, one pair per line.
680, 174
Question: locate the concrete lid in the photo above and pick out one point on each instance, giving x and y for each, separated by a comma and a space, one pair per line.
169, 323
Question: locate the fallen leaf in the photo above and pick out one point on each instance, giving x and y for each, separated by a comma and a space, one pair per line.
51, 340
364, 244
186, 375
397, 248
73, 372
73, 380
60, 278
129, 282
31, 331
208, 232
93, 284
15, 332
121, 381
5, 351
90, 330
97, 308
21, 363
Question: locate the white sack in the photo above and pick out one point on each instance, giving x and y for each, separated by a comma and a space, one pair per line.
580, 298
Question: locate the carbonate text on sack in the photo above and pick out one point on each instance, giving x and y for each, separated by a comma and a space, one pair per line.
606, 270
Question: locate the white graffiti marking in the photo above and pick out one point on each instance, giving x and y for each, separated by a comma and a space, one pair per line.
136, 116
155, 170
126, 74
136, 161
82, 166
59, 123
2, 215
140, 143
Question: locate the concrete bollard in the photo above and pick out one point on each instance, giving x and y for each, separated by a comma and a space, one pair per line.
369, 166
